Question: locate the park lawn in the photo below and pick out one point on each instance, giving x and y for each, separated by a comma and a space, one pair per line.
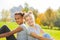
54, 33
12, 25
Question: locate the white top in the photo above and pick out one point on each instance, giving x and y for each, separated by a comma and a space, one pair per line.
22, 35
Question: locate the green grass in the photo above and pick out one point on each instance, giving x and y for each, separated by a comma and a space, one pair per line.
12, 25
54, 33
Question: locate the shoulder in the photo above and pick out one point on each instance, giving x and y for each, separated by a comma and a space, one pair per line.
22, 26
37, 25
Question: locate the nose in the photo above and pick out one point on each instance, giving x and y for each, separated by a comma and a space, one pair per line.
30, 21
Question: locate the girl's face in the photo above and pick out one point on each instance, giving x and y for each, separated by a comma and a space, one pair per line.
19, 19
30, 20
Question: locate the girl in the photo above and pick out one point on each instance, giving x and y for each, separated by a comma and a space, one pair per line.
34, 30
20, 30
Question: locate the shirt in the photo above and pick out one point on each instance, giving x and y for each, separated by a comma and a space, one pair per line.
37, 31
31, 29
22, 35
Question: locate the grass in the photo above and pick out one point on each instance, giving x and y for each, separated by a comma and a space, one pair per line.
12, 25
54, 33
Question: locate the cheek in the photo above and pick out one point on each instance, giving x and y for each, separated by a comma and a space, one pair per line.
21, 20
29, 22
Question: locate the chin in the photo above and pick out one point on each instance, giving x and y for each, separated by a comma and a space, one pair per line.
31, 25
18, 23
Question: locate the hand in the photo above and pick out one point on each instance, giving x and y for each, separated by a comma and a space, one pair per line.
44, 39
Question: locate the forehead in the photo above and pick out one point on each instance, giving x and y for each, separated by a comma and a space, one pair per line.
29, 17
18, 16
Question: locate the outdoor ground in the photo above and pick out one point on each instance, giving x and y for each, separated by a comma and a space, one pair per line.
12, 25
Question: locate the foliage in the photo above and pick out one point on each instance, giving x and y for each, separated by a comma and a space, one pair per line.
5, 15
27, 9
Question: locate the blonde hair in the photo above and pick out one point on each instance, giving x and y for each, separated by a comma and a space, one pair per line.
28, 14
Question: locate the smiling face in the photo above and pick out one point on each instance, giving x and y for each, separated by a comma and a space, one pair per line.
30, 20
19, 19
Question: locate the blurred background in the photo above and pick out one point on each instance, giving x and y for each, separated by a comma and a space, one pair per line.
46, 12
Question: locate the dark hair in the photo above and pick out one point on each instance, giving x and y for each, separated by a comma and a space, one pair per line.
21, 14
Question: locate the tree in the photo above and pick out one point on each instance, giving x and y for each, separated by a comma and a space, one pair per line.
57, 22
35, 12
58, 13
41, 19
26, 8
5, 15
51, 16
13, 10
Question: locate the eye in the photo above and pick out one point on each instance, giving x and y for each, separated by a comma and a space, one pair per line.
17, 18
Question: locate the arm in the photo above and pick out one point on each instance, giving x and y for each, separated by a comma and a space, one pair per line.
11, 32
42, 31
38, 37
45, 35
